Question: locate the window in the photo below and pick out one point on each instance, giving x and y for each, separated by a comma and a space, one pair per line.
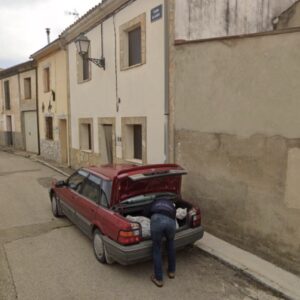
108, 142
7, 95
107, 139
133, 42
83, 67
10, 140
91, 188
49, 128
134, 139
46, 77
106, 193
134, 46
85, 134
76, 180
27, 88
137, 141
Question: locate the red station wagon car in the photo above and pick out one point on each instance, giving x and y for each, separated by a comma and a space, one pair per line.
98, 199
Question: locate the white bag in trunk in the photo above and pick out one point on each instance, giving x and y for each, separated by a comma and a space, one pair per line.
145, 224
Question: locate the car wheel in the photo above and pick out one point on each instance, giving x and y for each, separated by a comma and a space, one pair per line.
98, 246
55, 206
109, 259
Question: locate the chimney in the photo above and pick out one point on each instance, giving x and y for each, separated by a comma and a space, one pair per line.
48, 35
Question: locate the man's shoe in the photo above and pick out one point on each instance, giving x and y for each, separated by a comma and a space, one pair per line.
158, 283
171, 275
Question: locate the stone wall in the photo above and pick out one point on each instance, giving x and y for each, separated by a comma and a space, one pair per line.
17, 139
238, 135
239, 184
50, 150
84, 158
3, 139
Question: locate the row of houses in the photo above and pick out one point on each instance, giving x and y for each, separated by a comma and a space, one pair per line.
211, 85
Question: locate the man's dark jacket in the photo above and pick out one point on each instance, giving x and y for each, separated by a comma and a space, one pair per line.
163, 206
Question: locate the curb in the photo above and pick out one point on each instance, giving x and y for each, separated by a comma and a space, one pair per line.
278, 280
50, 166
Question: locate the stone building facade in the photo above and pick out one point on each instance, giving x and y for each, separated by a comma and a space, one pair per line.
53, 105
18, 102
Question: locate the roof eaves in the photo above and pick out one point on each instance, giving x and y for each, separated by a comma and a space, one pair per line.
92, 18
83, 17
20, 68
48, 49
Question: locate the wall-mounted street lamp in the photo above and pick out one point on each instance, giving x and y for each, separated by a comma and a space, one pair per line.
82, 44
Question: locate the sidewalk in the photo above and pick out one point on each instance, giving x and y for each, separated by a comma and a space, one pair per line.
264, 272
62, 169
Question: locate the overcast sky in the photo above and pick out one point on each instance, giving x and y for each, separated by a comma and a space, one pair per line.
23, 23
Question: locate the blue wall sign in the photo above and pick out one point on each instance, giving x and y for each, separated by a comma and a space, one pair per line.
156, 13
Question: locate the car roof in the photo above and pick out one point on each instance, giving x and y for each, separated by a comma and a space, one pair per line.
113, 170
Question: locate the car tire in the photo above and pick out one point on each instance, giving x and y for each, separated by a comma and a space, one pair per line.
98, 246
109, 259
55, 206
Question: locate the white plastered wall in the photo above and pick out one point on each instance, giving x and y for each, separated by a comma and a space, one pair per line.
140, 89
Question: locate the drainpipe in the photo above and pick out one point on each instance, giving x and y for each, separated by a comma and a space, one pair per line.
37, 110
166, 54
69, 130
23, 147
102, 50
169, 80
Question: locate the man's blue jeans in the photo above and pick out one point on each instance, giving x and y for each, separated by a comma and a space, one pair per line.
163, 226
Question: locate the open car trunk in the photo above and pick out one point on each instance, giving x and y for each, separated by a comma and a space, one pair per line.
132, 210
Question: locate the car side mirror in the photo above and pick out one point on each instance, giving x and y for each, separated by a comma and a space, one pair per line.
60, 183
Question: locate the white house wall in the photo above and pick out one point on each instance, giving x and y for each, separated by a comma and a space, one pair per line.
202, 19
140, 89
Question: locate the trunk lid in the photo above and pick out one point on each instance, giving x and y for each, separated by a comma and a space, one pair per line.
147, 181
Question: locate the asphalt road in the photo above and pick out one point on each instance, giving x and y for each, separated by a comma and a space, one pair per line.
46, 258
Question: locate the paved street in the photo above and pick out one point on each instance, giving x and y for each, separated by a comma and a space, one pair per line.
46, 258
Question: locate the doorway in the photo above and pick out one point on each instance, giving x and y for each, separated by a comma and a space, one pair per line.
63, 139
9, 133
31, 134
108, 142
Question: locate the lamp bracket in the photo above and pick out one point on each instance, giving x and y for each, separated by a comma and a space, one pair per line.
100, 62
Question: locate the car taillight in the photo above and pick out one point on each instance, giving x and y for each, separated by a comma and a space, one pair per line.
195, 217
131, 236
